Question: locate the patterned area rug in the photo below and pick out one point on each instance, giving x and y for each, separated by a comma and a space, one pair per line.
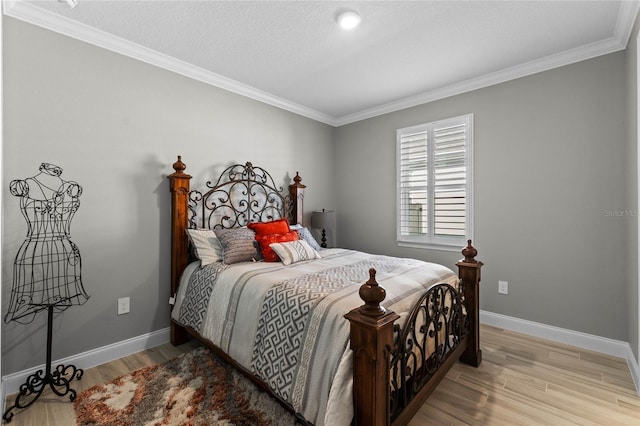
197, 388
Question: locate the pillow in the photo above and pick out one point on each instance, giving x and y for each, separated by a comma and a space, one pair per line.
305, 234
294, 251
238, 245
278, 226
206, 245
264, 240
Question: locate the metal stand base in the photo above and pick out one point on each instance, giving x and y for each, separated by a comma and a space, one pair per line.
36, 383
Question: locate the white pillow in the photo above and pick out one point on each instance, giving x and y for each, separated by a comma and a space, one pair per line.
294, 251
305, 234
206, 245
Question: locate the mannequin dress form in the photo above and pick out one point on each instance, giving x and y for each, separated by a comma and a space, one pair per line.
46, 271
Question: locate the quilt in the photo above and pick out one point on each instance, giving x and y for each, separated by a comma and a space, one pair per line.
286, 324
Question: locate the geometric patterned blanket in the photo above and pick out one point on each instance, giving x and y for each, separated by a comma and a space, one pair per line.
197, 299
286, 324
284, 332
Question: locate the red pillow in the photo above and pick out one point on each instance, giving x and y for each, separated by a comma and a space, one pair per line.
264, 240
279, 226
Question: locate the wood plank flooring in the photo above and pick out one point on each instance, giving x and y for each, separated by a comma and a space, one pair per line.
51, 410
525, 380
522, 380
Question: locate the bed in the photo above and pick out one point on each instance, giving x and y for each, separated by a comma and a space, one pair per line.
338, 336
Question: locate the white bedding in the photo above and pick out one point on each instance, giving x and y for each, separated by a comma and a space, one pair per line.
279, 321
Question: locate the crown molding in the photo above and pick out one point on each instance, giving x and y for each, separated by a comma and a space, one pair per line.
35, 15
624, 26
32, 14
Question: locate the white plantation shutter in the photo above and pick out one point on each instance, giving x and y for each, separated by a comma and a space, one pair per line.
434, 183
449, 203
413, 183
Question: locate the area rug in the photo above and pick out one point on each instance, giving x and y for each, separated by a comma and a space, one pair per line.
197, 388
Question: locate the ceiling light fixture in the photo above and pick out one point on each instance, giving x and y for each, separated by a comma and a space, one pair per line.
70, 3
348, 19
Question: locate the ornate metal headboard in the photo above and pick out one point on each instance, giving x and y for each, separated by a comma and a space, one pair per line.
242, 194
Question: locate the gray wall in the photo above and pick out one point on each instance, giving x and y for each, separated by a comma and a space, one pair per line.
632, 178
115, 125
553, 153
550, 156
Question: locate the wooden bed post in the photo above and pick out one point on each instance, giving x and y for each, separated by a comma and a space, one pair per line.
469, 273
179, 187
296, 190
371, 342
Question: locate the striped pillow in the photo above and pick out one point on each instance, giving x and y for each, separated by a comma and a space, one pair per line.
294, 251
206, 245
265, 242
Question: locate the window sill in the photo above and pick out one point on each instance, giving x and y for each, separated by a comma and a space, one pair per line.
432, 246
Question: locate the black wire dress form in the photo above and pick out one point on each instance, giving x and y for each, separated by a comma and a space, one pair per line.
46, 271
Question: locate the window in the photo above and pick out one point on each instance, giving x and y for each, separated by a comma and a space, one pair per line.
434, 184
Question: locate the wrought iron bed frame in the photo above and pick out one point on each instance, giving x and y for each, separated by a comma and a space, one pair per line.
393, 372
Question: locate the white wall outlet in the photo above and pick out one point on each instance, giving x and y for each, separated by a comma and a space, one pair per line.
503, 287
123, 305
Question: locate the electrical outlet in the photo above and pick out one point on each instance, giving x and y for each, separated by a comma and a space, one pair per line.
503, 287
123, 305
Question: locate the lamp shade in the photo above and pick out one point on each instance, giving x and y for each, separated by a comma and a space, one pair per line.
323, 219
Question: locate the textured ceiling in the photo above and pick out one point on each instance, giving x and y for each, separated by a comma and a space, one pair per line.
294, 55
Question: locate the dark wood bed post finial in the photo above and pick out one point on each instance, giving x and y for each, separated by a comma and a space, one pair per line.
372, 294
371, 343
179, 187
296, 190
469, 273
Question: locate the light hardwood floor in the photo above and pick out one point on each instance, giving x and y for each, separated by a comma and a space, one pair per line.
522, 381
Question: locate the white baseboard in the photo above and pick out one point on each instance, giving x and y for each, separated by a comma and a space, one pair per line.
92, 358
2, 395
11, 383
591, 342
634, 367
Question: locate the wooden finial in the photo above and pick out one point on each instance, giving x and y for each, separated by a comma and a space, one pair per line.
372, 294
469, 253
296, 181
179, 166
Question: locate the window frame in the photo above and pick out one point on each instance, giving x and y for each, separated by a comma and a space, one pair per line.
429, 240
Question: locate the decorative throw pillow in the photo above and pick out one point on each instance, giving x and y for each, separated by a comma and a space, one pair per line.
238, 245
305, 234
278, 226
294, 251
265, 240
206, 245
